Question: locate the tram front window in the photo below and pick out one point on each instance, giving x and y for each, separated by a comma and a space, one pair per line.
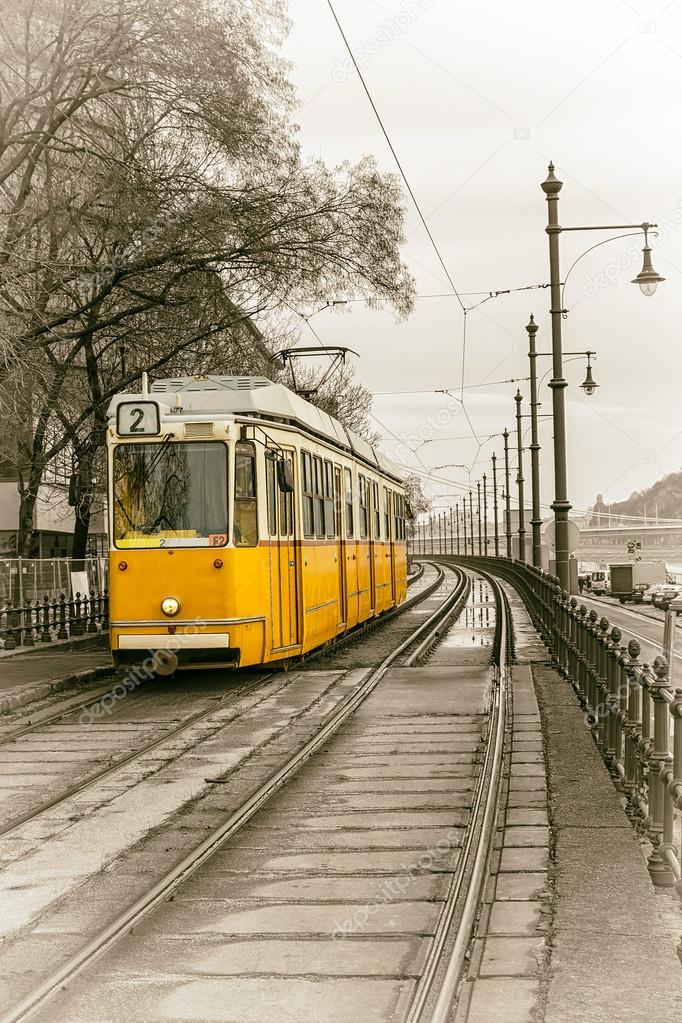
170, 495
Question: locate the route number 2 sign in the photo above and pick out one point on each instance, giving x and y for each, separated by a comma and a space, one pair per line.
138, 419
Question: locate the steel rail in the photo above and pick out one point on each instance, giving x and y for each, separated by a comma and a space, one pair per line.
153, 744
88, 700
132, 915
434, 634
92, 698
128, 758
439, 983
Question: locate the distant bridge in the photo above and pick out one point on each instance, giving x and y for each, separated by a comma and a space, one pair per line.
659, 543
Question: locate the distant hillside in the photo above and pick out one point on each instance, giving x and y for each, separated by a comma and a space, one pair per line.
664, 499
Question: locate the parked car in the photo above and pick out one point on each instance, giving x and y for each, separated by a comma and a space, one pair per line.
651, 592
665, 595
638, 592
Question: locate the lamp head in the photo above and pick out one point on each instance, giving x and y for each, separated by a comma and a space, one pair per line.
589, 385
647, 278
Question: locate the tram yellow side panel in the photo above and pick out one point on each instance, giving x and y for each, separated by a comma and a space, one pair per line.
321, 593
400, 572
364, 582
383, 576
351, 568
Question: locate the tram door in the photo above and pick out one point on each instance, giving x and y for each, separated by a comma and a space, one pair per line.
374, 533
341, 547
389, 530
283, 556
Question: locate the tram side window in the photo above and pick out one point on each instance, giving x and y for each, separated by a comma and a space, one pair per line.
319, 496
286, 508
364, 510
376, 511
245, 504
387, 514
398, 517
329, 499
307, 491
350, 527
271, 487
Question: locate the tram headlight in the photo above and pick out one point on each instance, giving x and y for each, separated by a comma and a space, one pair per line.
170, 606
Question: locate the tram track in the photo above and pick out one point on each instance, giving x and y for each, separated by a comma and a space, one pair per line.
41, 728
436, 993
164, 888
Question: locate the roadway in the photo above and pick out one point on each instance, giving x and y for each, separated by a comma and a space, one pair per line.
633, 624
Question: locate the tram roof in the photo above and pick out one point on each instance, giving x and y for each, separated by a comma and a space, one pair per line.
258, 397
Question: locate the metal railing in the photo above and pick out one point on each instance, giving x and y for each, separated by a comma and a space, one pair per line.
37, 622
24, 579
631, 708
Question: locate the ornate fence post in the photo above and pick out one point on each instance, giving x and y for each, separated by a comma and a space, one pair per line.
10, 637
613, 703
46, 635
63, 631
592, 660
660, 804
674, 777
76, 624
632, 670
602, 687
581, 662
105, 612
29, 638
91, 614
564, 626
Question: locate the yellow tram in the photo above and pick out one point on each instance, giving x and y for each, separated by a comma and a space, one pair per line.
247, 526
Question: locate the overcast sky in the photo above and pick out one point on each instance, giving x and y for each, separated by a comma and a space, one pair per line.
477, 98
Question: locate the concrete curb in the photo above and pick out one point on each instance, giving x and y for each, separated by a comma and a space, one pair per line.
612, 957
74, 643
25, 695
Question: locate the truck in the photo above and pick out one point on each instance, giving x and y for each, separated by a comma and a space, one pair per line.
598, 582
594, 577
632, 577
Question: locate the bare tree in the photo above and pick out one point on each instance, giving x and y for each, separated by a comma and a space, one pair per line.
156, 208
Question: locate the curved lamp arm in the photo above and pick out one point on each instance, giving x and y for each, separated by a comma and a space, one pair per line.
618, 237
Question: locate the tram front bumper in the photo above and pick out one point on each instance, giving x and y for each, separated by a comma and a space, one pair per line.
177, 641
167, 652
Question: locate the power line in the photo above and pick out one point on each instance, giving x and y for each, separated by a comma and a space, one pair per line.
444, 390
395, 155
443, 294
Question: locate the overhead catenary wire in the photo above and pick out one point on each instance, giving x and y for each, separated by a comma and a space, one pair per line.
395, 155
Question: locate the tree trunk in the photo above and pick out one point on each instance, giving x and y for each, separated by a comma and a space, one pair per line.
80, 533
82, 512
26, 541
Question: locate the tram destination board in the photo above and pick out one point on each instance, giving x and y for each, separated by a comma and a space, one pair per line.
138, 419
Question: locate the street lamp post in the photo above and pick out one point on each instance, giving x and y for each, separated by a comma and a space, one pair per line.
495, 516
471, 520
648, 280
457, 524
519, 478
485, 515
464, 523
507, 498
478, 512
536, 518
